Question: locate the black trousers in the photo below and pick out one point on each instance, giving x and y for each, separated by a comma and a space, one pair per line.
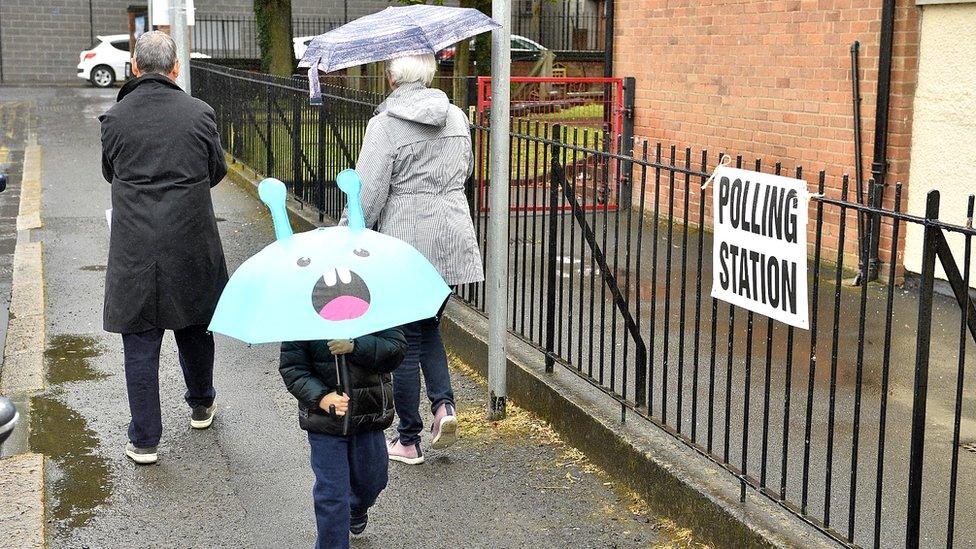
196, 348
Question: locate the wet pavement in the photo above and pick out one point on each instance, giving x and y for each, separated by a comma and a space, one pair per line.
246, 481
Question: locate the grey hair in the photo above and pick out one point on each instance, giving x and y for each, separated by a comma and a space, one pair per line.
155, 53
412, 68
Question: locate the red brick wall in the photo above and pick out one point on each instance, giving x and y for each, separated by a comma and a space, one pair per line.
768, 79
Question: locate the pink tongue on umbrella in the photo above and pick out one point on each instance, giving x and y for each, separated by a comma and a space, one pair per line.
344, 307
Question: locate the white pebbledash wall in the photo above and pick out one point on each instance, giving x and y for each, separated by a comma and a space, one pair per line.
944, 127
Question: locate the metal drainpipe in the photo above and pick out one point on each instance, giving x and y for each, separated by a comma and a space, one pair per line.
91, 22
879, 167
1, 48
608, 39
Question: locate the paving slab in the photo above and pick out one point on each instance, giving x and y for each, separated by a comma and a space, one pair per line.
21, 501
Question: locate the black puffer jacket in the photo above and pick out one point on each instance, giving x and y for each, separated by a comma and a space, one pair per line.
309, 372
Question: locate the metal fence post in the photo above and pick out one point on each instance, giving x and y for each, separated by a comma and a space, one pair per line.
320, 152
627, 140
555, 173
297, 169
471, 92
922, 343
268, 159
237, 119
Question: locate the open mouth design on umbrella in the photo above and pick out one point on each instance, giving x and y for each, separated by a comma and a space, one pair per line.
340, 294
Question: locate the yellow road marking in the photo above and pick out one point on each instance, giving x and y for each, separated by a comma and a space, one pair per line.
29, 216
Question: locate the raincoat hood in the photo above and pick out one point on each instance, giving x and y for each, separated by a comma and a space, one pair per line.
417, 103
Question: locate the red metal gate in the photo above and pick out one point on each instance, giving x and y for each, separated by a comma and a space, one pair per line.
589, 112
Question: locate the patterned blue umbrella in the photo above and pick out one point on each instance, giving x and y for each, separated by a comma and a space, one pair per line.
393, 32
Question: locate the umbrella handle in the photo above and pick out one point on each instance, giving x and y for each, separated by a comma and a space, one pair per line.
339, 385
343, 370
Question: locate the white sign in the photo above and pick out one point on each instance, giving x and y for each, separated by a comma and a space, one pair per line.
160, 12
759, 253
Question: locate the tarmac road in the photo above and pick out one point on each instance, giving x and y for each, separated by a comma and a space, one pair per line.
246, 481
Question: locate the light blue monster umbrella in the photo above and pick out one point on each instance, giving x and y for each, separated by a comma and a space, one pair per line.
327, 283
393, 32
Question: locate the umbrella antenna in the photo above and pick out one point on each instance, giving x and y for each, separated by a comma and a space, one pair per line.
348, 180
273, 193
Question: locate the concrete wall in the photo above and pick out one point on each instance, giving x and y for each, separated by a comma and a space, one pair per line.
768, 79
41, 39
944, 137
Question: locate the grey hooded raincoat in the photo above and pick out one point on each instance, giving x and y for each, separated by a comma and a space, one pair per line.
415, 159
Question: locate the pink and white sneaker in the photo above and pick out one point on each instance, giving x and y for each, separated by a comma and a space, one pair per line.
411, 455
444, 428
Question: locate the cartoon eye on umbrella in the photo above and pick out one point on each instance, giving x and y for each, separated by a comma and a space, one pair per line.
327, 283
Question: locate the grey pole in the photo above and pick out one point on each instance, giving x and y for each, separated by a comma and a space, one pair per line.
498, 196
177, 29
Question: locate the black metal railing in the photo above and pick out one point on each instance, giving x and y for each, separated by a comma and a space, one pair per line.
267, 123
237, 37
855, 426
563, 27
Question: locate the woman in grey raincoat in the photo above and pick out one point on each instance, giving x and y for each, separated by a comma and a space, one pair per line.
415, 159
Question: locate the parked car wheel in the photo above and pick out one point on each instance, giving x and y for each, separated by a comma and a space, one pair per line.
102, 76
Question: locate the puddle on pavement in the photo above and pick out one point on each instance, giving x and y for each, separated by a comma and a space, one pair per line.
94, 268
79, 481
68, 358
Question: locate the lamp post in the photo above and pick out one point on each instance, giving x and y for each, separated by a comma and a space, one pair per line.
498, 197
178, 30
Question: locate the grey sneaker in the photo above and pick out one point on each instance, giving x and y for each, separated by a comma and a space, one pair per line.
142, 456
202, 416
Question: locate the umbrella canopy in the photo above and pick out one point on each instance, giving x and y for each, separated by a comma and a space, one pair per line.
327, 283
393, 32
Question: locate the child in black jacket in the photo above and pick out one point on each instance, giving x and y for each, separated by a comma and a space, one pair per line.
350, 468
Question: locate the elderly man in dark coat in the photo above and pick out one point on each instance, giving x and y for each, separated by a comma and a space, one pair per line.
162, 154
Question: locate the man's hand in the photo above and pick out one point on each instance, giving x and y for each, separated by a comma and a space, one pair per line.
335, 403
341, 346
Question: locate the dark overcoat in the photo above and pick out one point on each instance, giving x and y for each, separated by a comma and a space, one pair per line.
162, 154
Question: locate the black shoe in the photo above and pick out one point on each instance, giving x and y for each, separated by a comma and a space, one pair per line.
357, 522
202, 416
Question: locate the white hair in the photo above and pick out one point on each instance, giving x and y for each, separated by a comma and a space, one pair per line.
412, 68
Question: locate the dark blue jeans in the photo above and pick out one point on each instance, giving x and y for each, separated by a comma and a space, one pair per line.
196, 347
425, 351
350, 472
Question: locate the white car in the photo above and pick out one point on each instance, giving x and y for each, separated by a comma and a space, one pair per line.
107, 61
